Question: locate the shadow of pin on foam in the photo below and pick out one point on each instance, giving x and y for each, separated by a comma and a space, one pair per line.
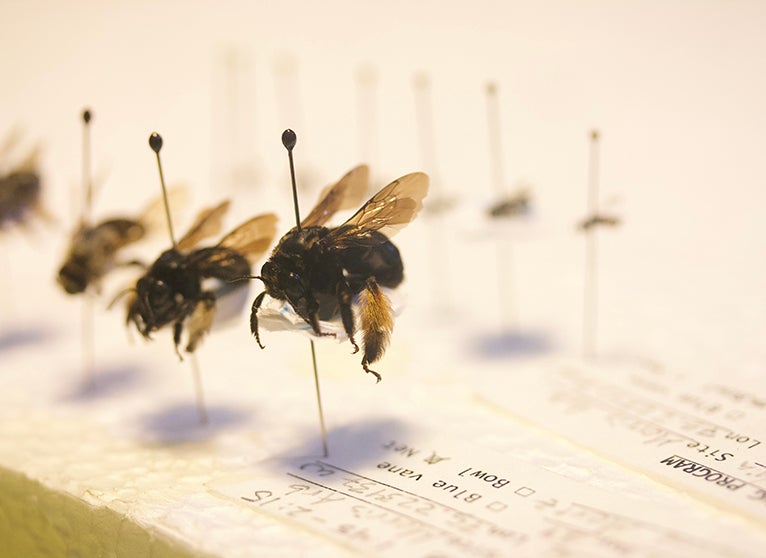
180, 423
106, 382
21, 337
504, 345
350, 446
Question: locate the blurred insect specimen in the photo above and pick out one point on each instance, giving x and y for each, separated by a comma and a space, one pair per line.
512, 206
20, 189
319, 270
172, 290
598, 220
508, 205
93, 248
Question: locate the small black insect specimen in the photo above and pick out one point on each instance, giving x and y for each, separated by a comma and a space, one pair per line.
512, 206
320, 270
598, 220
172, 289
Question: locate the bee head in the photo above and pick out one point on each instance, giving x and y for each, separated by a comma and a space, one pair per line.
155, 302
284, 279
73, 277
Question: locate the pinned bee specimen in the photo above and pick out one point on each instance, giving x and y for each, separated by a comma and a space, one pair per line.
20, 191
172, 290
93, 248
594, 220
320, 271
508, 205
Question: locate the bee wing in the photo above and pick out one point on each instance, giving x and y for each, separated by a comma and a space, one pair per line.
253, 237
348, 192
207, 223
387, 211
153, 217
31, 163
9, 143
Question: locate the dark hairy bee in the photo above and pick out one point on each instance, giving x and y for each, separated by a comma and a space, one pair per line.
320, 271
172, 289
20, 193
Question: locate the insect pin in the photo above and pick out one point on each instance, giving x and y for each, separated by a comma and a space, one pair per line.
321, 271
172, 289
595, 219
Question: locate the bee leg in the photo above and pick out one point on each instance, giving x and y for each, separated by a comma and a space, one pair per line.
200, 322
370, 371
254, 318
313, 319
344, 300
178, 328
377, 319
131, 263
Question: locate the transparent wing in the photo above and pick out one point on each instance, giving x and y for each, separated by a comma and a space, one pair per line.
253, 237
348, 192
207, 224
152, 216
387, 211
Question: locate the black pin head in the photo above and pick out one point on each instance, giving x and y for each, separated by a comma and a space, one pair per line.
289, 139
155, 142
594, 134
86, 116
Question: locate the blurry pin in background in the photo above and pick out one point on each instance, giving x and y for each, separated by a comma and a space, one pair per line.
366, 79
438, 203
290, 110
506, 207
233, 113
593, 220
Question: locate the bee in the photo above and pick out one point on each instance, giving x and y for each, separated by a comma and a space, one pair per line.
320, 270
20, 191
172, 289
93, 249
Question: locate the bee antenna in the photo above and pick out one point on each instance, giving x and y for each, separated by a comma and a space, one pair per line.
289, 139
87, 181
155, 142
244, 277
